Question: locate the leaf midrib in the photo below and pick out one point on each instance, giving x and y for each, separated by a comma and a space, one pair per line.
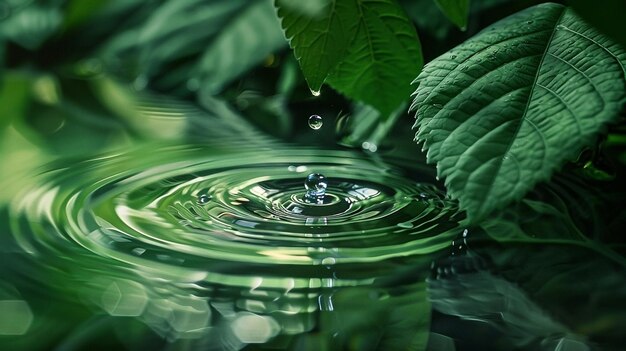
487, 193
333, 12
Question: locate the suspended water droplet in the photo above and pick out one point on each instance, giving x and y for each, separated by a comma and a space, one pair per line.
529, 22
315, 185
315, 92
453, 57
315, 122
204, 199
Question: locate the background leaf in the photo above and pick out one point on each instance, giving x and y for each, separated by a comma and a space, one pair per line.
455, 10
30, 25
364, 49
248, 39
507, 108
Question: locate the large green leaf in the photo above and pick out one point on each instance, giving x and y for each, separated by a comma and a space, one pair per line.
364, 49
507, 108
455, 10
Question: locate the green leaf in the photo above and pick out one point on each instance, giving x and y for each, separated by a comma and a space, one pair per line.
383, 55
319, 42
504, 110
365, 49
244, 42
455, 10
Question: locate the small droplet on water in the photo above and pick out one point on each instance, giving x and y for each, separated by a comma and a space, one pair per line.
315, 185
203, 199
315, 122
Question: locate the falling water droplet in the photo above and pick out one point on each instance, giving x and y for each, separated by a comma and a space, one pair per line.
315, 92
315, 185
203, 199
315, 122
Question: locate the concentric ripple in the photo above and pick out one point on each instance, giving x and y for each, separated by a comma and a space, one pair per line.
195, 208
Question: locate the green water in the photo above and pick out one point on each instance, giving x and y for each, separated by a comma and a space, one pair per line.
188, 245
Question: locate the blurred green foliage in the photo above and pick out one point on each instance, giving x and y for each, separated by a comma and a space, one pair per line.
84, 77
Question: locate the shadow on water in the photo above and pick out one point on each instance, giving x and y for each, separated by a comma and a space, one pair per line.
207, 243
